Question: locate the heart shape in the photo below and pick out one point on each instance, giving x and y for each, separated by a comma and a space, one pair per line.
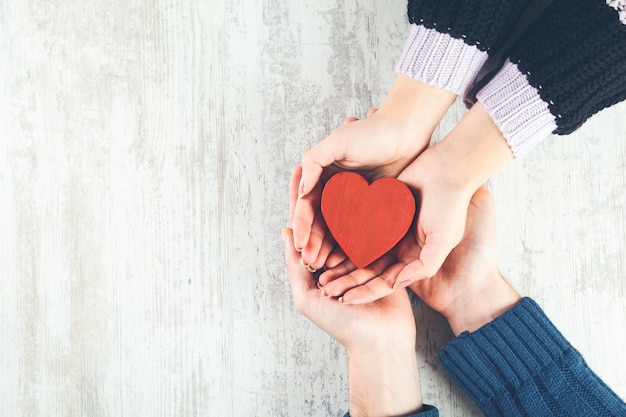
366, 220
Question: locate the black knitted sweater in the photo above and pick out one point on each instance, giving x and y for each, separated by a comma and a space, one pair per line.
568, 65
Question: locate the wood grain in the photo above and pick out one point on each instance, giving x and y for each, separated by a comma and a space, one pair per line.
145, 153
366, 220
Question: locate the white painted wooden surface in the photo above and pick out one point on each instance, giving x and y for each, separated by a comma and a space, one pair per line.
144, 160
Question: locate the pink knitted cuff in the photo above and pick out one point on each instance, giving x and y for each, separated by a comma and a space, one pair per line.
518, 110
440, 60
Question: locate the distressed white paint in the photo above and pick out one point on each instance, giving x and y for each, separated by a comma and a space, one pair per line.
144, 160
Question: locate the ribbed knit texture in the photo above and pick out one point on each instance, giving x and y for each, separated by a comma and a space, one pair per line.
521, 365
451, 40
517, 109
436, 59
575, 56
483, 23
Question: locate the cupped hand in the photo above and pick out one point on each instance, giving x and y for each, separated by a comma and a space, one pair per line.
315, 241
468, 289
352, 326
379, 337
381, 145
320, 243
444, 201
444, 178
443, 204
370, 146
386, 322
467, 268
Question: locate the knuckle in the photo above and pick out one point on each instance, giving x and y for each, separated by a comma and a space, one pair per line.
307, 157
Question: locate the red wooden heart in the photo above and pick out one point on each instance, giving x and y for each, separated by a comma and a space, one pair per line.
366, 220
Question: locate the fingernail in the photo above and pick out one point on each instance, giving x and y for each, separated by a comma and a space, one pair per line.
311, 269
301, 188
303, 264
297, 248
319, 285
323, 293
403, 284
340, 300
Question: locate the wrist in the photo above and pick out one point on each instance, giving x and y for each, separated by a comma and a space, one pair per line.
479, 306
384, 382
475, 149
416, 108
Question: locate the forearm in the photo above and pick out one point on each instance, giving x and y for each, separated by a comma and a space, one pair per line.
416, 108
446, 49
474, 150
384, 384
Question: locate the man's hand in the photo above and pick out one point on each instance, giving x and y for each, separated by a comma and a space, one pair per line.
468, 289
379, 338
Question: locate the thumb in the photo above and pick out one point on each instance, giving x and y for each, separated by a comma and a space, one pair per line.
432, 256
316, 159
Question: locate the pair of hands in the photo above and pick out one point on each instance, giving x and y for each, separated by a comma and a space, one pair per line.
380, 336
468, 289
392, 142
456, 224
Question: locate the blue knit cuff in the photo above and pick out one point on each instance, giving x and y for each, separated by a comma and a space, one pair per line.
520, 364
505, 353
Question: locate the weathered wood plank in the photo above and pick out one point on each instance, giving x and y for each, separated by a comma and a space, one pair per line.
144, 162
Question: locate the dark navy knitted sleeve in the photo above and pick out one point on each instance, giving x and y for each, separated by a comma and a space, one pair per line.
521, 365
450, 40
567, 66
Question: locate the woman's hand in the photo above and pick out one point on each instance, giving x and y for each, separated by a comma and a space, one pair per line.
444, 178
381, 145
439, 228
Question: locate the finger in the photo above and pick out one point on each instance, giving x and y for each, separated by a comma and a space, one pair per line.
371, 111
296, 174
432, 255
377, 288
304, 217
306, 296
301, 280
336, 257
317, 158
358, 277
317, 237
328, 246
338, 271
